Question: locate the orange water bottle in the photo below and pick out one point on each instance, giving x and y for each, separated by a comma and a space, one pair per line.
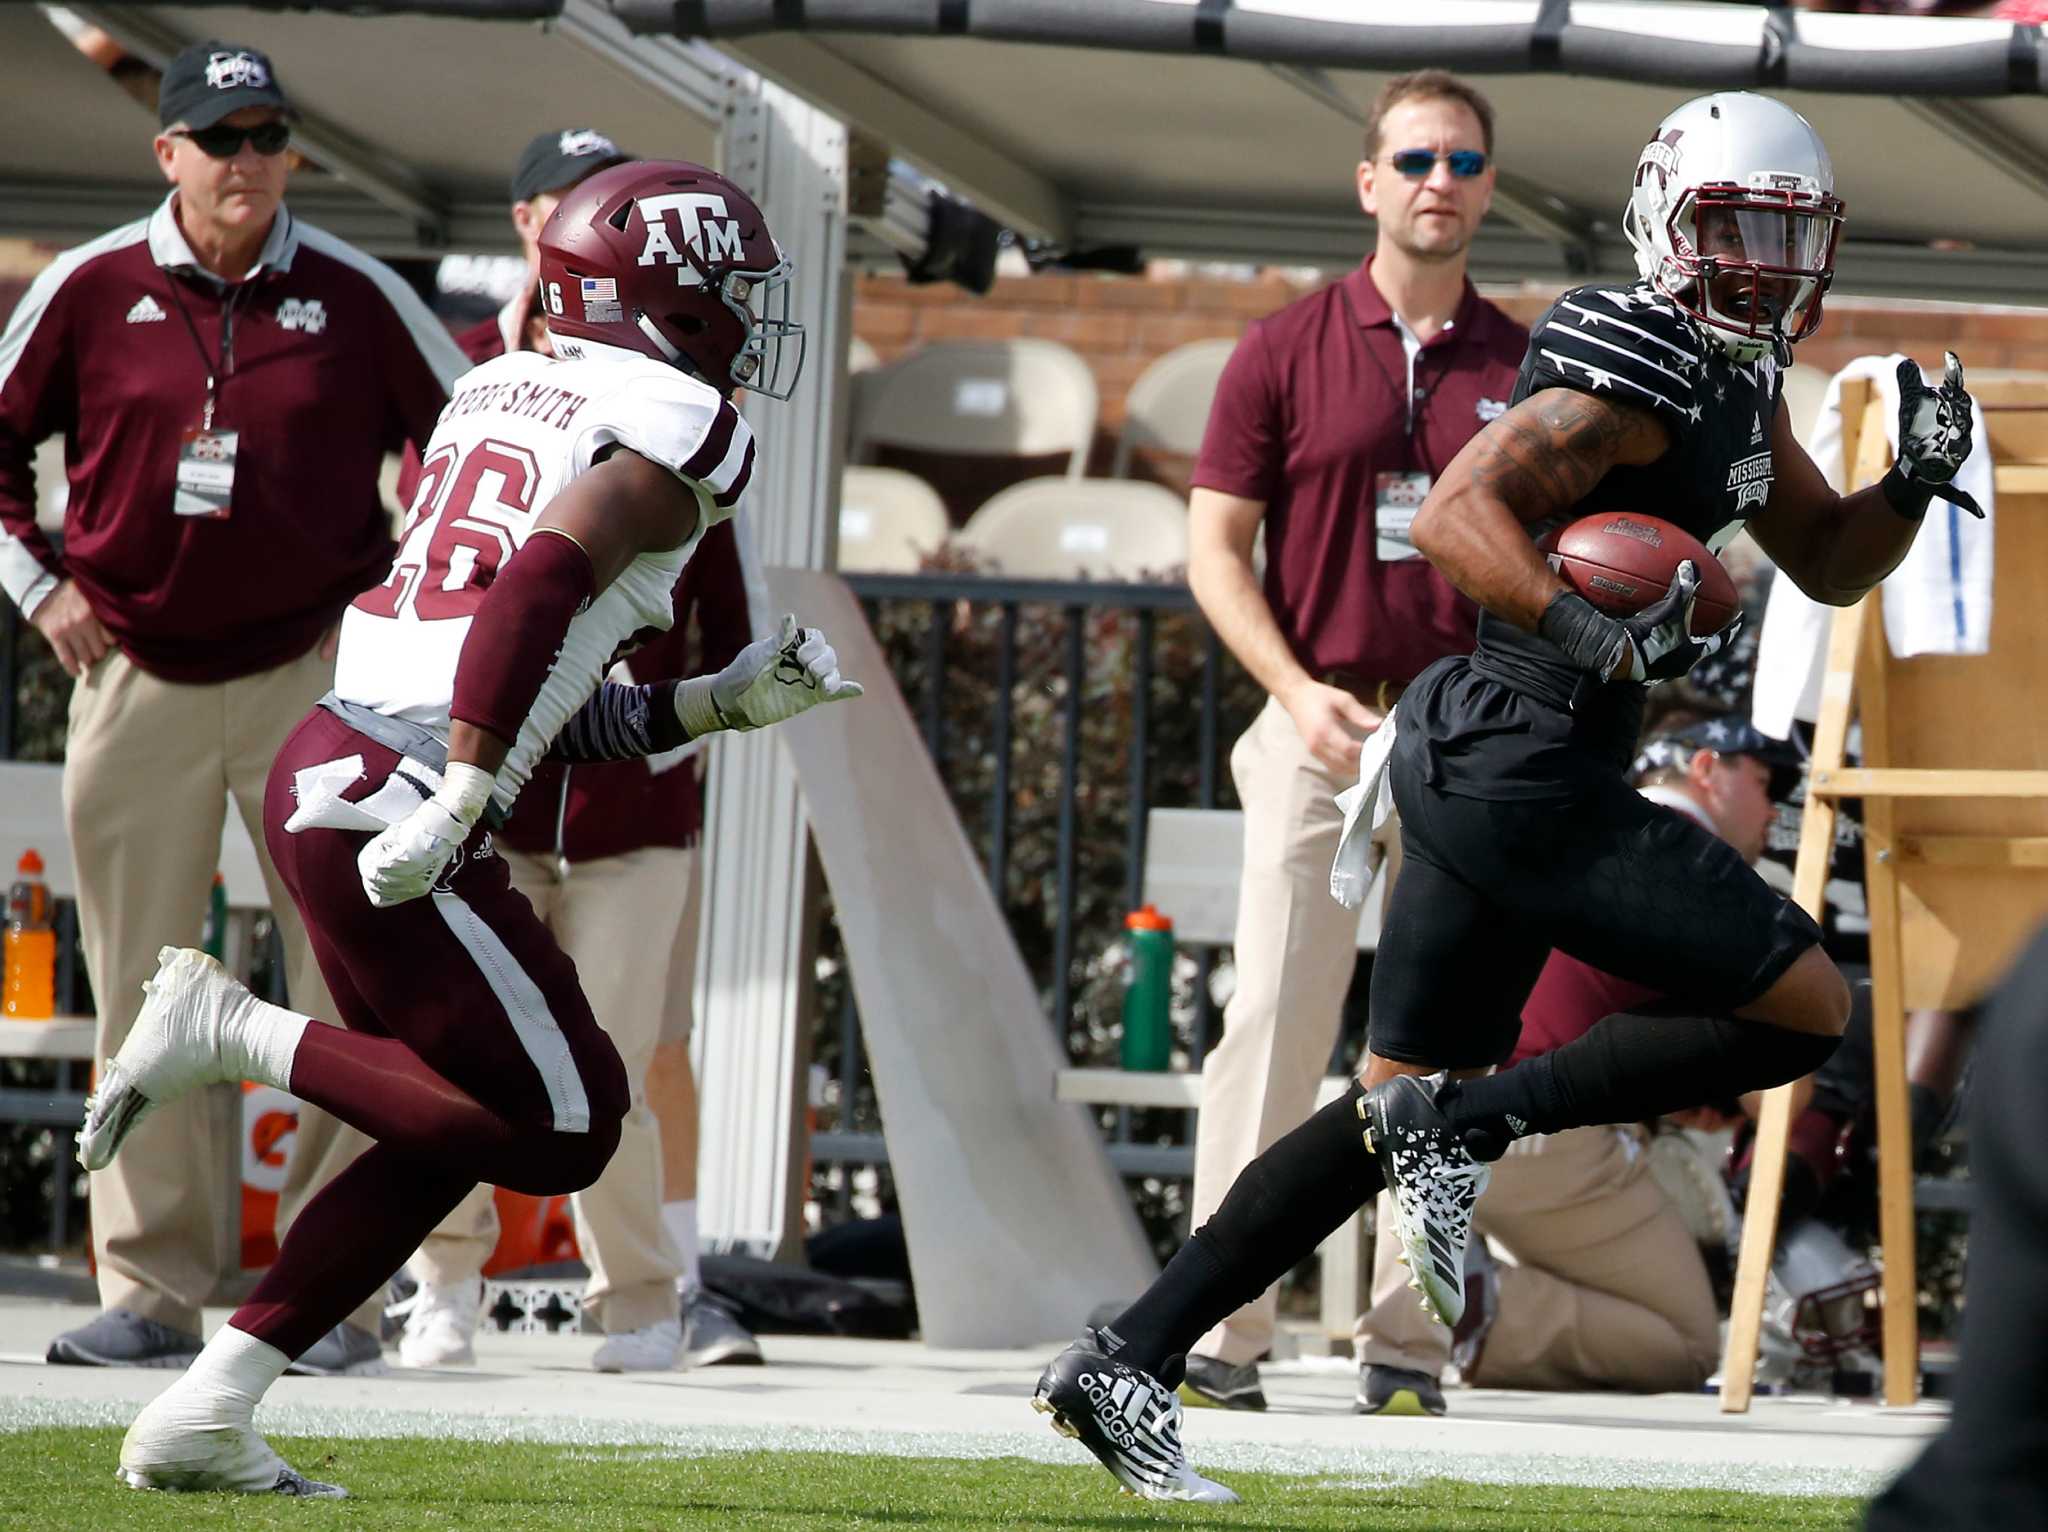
30, 992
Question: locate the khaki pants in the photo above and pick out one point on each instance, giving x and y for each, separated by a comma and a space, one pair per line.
1608, 1289
616, 918
1296, 948
149, 769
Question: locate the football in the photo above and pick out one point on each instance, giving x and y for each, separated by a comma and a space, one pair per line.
1623, 562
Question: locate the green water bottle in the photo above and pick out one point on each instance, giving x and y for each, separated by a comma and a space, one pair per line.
1148, 990
213, 939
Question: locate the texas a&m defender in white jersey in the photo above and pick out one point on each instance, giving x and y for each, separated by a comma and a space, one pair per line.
558, 501
517, 431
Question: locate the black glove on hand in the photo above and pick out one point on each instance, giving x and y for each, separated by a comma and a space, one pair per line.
1934, 438
1656, 644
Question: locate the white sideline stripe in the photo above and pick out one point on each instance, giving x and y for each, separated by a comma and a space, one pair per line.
526, 1008
1588, 367
1633, 329
1578, 334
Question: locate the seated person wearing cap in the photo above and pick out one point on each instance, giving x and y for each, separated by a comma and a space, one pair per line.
1608, 1288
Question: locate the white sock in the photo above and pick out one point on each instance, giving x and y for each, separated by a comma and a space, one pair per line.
680, 1218
236, 1369
260, 1040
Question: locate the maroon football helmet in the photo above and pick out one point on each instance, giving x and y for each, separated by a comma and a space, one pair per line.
673, 261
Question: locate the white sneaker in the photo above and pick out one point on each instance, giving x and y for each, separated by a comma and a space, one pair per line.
184, 1440
440, 1327
176, 1045
652, 1349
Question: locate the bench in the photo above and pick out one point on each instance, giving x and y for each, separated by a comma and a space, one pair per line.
1194, 866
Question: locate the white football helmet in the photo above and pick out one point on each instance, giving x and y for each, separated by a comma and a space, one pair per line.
1734, 218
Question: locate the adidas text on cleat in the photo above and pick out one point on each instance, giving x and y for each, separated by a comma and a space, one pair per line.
1433, 1182
1127, 1418
188, 1034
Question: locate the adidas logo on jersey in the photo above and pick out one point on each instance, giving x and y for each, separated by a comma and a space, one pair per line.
1756, 430
146, 311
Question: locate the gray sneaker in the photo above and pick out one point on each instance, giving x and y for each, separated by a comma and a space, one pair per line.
120, 1338
1397, 1391
713, 1336
343, 1352
1214, 1384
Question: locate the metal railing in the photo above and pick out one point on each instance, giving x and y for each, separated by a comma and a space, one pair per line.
923, 652
1138, 609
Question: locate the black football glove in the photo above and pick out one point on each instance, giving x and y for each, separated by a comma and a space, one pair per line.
1656, 644
1934, 438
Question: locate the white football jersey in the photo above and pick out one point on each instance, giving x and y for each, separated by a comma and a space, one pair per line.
517, 431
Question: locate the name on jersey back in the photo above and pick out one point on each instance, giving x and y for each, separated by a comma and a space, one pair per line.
549, 405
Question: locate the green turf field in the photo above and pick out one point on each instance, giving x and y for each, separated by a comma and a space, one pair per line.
56, 1480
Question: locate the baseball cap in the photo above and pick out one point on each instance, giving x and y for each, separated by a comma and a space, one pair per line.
559, 158
1731, 734
211, 79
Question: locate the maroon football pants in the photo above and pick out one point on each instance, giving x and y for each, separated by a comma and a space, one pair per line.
466, 1050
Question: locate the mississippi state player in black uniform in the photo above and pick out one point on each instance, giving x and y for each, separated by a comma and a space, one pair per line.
1507, 766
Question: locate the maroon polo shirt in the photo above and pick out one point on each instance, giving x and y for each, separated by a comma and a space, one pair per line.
582, 813
1308, 413
335, 362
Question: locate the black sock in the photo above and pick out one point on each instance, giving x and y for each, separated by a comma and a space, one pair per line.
1630, 1068
1284, 1204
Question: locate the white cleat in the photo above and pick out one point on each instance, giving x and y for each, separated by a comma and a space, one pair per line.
169, 1449
440, 1328
174, 1047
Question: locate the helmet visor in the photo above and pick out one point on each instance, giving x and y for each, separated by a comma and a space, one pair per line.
1765, 258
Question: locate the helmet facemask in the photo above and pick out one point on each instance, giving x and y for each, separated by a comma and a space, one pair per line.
770, 355
1753, 262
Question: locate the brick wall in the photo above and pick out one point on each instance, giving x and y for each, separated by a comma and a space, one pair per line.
1121, 324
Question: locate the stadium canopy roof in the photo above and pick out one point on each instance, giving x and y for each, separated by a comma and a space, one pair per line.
1225, 129
1214, 129
418, 117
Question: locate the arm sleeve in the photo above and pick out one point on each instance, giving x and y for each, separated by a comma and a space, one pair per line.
38, 398
1243, 451
685, 426
516, 635
621, 723
1612, 343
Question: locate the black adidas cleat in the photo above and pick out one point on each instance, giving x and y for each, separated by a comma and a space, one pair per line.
1434, 1183
1127, 1418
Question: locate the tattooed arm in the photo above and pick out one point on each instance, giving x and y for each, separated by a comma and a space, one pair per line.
1539, 459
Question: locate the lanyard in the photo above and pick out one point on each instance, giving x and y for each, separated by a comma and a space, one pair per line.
216, 371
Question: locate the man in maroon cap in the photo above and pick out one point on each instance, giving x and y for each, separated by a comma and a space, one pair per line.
227, 380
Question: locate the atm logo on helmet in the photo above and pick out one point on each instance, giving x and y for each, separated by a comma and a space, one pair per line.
709, 233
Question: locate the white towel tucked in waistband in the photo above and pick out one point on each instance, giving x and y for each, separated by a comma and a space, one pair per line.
1366, 804
321, 806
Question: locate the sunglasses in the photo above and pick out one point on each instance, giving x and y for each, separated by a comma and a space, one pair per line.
224, 143
1417, 163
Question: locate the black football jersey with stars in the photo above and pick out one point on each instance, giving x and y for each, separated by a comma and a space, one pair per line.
1629, 344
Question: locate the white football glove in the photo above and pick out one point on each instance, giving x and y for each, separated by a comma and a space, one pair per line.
770, 680
407, 859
